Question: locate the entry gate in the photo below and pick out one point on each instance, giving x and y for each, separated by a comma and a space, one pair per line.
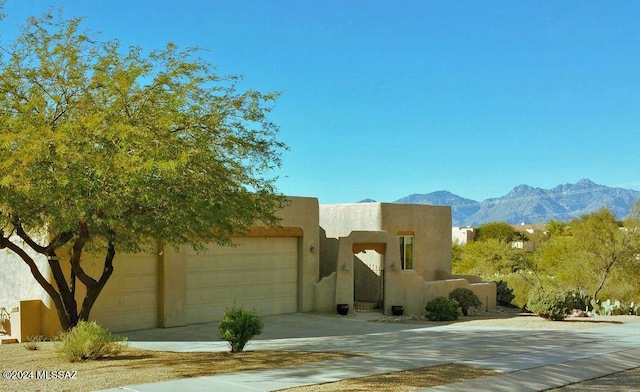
368, 285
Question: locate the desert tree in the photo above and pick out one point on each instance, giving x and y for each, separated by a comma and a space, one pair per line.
106, 149
607, 245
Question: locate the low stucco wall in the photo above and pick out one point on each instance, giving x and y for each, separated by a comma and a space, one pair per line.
25, 320
417, 292
486, 291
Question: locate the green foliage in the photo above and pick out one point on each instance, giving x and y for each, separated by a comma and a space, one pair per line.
594, 254
500, 231
504, 294
108, 147
465, 299
552, 304
442, 309
88, 340
606, 245
521, 285
578, 300
238, 326
489, 257
33, 342
558, 228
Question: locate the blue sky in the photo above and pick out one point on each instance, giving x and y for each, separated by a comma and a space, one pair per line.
382, 99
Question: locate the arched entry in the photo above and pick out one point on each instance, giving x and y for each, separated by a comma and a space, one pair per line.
368, 277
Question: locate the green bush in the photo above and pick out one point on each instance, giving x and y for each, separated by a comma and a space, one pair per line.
520, 287
553, 304
504, 294
89, 340
238, 326
578, 300
442, 309
465, 299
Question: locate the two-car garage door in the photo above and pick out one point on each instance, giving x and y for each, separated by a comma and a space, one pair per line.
260, 273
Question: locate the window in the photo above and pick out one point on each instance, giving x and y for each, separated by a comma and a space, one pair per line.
406, 252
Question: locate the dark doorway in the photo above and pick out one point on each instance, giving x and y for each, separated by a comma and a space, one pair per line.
368, 282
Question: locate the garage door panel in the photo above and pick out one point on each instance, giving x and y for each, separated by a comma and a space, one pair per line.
129, 299
260, 273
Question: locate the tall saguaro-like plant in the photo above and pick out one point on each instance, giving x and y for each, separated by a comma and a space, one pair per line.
105, 149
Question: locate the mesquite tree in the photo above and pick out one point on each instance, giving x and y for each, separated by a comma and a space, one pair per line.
607, 244
106, 149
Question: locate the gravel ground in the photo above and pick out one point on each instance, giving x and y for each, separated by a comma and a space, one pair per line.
515, 318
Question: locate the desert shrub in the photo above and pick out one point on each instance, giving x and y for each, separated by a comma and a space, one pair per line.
442, 309
613, 308
89, 340
578, 300
634, 309
552, 304
33, 342
465, 299
520, 286
238, 326
504, 294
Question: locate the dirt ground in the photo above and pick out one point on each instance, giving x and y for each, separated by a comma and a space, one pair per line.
133, 366
401, 381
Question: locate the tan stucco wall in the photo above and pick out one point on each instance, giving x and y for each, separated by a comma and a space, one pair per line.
303, 212
486, 291
18, 284
328, 254
431, 226
338, 220
432, 232
345, 268
325, 294
172, 287
370, 222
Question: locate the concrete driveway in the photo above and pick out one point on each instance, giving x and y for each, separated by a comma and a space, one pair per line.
531, 360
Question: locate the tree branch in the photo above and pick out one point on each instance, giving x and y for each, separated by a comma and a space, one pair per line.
94, 291
44, 283
76, 254
27, 239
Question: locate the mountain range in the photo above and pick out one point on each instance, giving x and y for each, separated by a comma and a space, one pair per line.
527, 204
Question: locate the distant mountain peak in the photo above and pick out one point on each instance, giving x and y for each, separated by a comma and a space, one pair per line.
525, 203
585, 182
520, 190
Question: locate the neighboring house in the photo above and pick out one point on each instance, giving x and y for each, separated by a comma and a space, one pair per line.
527, 233
463, 235
314, 260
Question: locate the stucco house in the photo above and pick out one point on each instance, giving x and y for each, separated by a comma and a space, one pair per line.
463, 235
370, 256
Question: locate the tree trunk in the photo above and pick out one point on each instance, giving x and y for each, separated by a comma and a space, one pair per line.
63, 293
94, 291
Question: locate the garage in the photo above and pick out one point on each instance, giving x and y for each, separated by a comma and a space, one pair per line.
129, 300
259, 273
